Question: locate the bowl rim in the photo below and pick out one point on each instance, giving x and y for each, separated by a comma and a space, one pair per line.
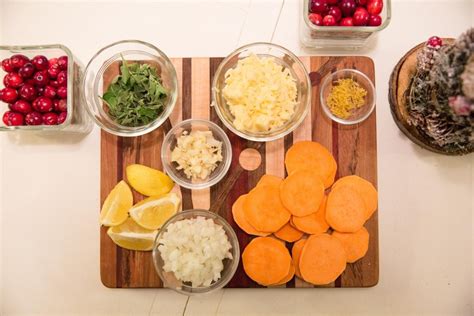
233, 239
243, 134
328, 112
226, 144
139, 130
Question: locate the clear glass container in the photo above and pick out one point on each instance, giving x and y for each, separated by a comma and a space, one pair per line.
339, 37
359, 114
106, 63
179, 176
77, 120
230, 265
282, 56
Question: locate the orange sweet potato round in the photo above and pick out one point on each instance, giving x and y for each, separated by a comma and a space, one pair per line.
302, 192
264, 210
322, 260
355, 244
345, 210
364, 188
311, 156
315, 223
268, 179
266, 260
288, 233
296, 254
241, 221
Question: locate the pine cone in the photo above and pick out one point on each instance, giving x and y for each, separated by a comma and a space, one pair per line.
467, 78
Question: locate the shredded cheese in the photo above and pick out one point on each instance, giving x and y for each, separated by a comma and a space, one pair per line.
346, 96
197, 154
261, 94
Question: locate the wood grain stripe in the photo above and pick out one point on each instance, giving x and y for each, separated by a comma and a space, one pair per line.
187, 201
303, 132
200, 110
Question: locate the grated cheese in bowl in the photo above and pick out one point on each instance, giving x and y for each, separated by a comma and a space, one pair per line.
194, 249
261, 94
197, 154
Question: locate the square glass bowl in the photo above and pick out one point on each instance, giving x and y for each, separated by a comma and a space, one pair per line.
77, 120
339, 37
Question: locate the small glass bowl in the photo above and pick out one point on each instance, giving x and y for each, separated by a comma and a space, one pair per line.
170, 142
230, 265
359, 114
282, 56
105, 63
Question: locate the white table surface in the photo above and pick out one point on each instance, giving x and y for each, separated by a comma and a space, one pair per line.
49, 188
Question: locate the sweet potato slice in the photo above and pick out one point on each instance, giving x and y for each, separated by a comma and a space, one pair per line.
268, 179
288, 233
345, 210
296, 254
302, 192
322, 260
315, 223
263, 209
241, 221
311, 156
355, 244
364, 188
288, 277
266, 260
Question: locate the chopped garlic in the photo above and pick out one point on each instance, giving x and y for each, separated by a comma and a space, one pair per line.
261, 94
197, 154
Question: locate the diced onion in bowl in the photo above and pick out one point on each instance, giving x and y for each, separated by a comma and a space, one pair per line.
194, 250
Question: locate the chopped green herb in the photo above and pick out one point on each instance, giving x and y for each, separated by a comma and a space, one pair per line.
136, 97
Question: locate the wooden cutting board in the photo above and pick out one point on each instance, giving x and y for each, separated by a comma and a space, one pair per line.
354, 148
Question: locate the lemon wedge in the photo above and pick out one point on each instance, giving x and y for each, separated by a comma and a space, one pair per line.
148, 181
153, 212
115, 208
130, 235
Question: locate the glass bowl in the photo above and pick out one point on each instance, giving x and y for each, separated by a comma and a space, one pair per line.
282, 56
77, 120
358, 115
105, 64
340, 37
170, 142
230, 265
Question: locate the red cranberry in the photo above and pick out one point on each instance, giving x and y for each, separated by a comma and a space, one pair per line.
374, 6
53, 71
18, 61
346, 22
375, 20
7, 65
49, 92
62, 78
361, 17
329, 20
62, 117
40, 91
12, 80
62, 62
62, 92
435, 41
21, 106
9, 95
28, 92
54, 83
332, 2
60, 105
40, 62
27, 71
13, 118
361, 2
43, 104
34, 118
347, 7
53, 61
335, 12
316, 19
41, 78
50, 119
319, 6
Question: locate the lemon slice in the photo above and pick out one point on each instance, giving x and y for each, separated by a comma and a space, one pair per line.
130, 235
148, 181
153, 212
115, 208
